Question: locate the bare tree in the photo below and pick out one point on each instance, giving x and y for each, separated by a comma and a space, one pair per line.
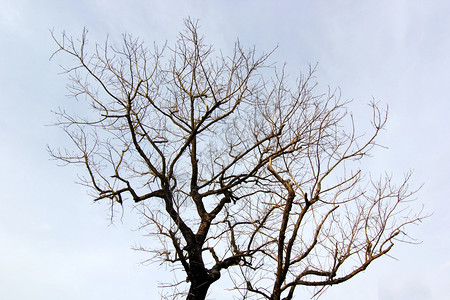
230, 166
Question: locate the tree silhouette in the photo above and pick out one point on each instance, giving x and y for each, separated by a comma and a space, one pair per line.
230, 166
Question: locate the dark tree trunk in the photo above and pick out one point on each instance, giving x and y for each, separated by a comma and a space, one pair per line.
200, 283
200, 277
198, 291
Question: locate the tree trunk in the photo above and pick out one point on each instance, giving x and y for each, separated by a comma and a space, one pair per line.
201, 283
198, 291
201, 278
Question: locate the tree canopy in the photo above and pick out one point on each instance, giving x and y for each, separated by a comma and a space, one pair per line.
231, 166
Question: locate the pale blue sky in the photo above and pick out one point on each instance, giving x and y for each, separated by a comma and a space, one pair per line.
55, 244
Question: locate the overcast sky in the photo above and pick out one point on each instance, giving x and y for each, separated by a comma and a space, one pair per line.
56, 244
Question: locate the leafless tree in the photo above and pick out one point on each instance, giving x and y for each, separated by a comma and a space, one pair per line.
230, 165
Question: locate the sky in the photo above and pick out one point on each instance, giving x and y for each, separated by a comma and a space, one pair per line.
56, 244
